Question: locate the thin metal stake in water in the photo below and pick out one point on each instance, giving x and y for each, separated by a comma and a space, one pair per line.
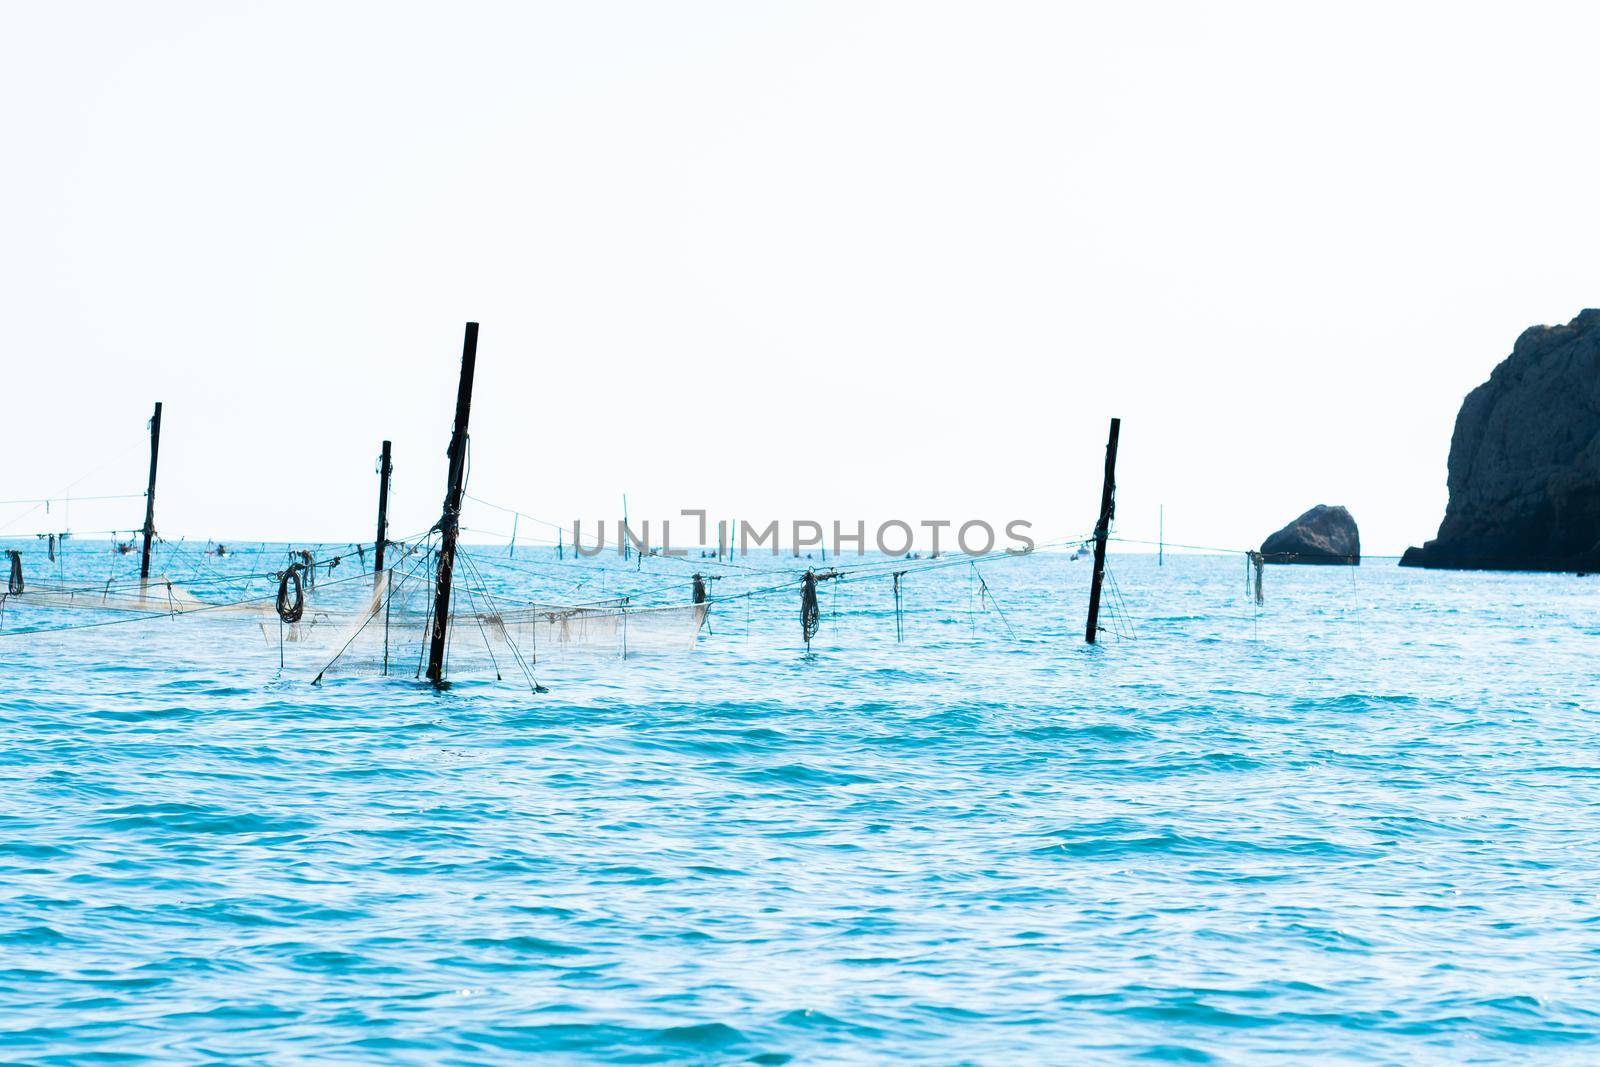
899, 619
388, 598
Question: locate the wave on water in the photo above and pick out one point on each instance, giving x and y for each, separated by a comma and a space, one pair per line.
1346, 826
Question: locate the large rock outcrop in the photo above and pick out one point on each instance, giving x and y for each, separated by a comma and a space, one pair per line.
1524, 471
1321, 535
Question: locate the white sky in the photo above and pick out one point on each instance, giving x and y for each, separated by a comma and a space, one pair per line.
779, 260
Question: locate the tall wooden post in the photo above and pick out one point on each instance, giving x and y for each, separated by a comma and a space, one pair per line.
1102, 530
450, 521
150, 494
385, 469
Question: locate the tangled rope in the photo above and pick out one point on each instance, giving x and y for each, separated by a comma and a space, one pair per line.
291, 609
810, 613
15, 586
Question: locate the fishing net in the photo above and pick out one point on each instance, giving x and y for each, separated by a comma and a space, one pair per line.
487, 634
158, 596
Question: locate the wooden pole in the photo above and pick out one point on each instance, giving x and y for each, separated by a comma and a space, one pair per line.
385, 469
450, 521
1102, 530
150, 494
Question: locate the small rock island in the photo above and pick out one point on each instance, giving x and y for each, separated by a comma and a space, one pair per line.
1322, 535
1524, 469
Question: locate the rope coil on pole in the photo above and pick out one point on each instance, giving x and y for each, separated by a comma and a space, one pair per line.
15, 585
810, 613
291, 608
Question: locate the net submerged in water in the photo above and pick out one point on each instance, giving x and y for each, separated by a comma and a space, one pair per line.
363, 624
157, 596
488, 634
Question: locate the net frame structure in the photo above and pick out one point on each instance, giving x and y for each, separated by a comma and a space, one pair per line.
493, 633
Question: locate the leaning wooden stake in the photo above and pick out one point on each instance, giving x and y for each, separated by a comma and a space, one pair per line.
385, 469
150, 494
450, 521
623, 537
1102, 530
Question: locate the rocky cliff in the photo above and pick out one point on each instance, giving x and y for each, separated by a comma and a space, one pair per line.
1321, 535
1524, 471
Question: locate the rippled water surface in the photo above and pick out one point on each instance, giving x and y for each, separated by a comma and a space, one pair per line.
1355, 825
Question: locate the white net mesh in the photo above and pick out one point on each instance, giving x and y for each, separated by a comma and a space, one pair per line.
364, 624
158, 596
488, 634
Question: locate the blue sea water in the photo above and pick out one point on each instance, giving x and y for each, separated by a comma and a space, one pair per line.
1357, 824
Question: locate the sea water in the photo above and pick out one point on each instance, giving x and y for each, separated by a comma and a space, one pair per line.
1355, 824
